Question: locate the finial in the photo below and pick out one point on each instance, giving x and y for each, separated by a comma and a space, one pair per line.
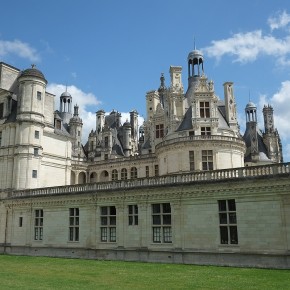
249, 96
194, 43
33, 65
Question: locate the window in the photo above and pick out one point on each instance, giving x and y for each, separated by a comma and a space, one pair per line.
114, 174
20, 221
133, 215
0, 138
204, 109
191, 160
106, 142
74, 216
79, 133
161, 223
205, 131
156, 169
228, 221
207, 160
108, 224
147, 171
1, 110
106, 156
34, 173
123, 174
58, 124
159, 131
133, 172
38, 95
38, 224
191, 133
36, 134
35, 151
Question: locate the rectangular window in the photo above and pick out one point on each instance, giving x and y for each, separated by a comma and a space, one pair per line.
228, 221
133, 214
156, 169
38, 95
108, 224
20, 221
161, 223
191, 133
205, 131
147, 171
74, 221
38, 224
36, 134
159, 131
191, 160
106, 156
204, 110
207, 160
106, 142
34, 173
0, 138
1, 110
58, 124
35, 151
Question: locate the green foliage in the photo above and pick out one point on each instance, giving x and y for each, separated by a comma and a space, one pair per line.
21, 272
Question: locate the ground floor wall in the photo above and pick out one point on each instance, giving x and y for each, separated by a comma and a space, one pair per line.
236, 223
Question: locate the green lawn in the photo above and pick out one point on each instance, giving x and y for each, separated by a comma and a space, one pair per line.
21, 272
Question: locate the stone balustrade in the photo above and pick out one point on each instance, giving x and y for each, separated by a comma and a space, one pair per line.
233, 173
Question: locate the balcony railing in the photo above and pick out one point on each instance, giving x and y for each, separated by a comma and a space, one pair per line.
200, 138
182, 178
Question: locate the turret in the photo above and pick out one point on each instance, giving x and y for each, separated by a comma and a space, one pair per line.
65, 107
127, 138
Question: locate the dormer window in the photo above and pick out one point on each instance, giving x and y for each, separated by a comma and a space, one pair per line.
159, 131
204, 110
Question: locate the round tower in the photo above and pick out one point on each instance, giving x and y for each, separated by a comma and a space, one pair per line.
29, 130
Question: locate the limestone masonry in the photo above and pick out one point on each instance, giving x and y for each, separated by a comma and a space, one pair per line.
183, 187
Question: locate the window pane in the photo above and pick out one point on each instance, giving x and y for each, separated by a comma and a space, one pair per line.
167, 235
223, 218
232, 218
157, 235
103, 221
112, 210
103, 234
71, 221
167, 219
156, 208
112, 234
71, 211
234, 235
166, 208
222, 205
130, 209
76, 211
112, 220
224, 235
130, 220
71, 233
136, 220
77, 221
136, 209
156, 220
76, 234
103, 210
232, 205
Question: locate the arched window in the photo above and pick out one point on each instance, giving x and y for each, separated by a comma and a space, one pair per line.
93, 177
114, 174
123, 174
133, 172
104, 176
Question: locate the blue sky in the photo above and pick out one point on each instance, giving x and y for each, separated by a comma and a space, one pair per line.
110, 53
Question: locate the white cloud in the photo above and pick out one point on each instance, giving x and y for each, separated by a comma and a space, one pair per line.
280, 102
280, 20
246, 47
19, 48
83, 100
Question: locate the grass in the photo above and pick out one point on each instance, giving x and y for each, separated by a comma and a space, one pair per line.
21, 272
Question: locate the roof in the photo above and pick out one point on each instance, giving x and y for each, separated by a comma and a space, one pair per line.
33, 72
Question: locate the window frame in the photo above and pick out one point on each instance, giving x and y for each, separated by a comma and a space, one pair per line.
159, 131
161, 223
204, 109
38, 224
207, 159
74, 224
108, 224
133, 215
228, 227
